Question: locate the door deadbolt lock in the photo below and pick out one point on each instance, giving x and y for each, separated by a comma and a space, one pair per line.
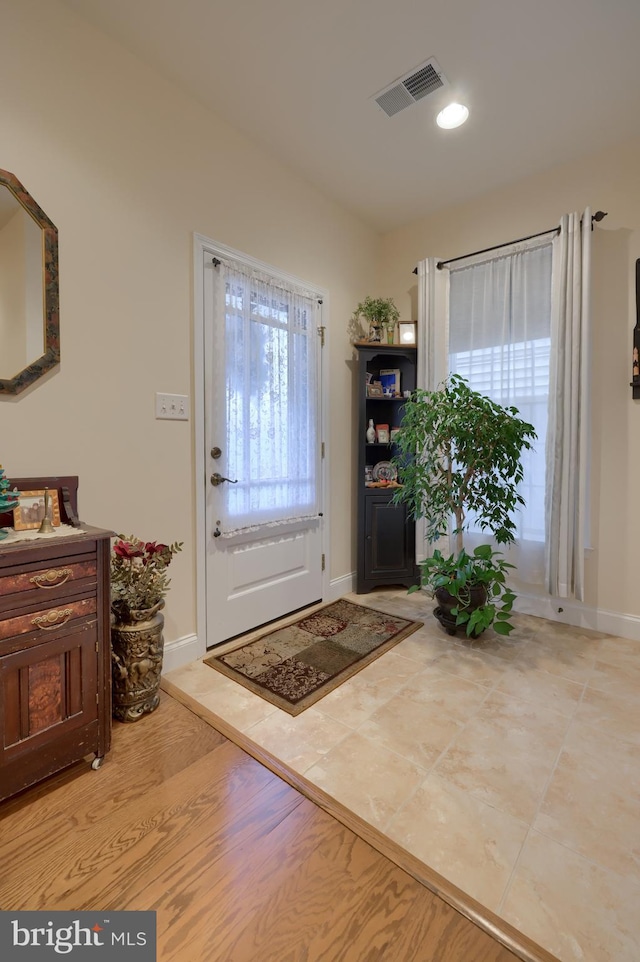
217, 479
216, 452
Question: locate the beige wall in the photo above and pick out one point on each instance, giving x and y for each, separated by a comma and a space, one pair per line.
128, 168
607, 180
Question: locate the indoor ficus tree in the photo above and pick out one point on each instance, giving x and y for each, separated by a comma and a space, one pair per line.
459, 462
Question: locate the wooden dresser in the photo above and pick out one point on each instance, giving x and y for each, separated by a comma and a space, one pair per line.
55, 668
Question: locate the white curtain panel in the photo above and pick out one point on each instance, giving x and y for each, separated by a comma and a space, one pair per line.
433, 324
432, 338
488, 318
265, 362
499, 340
568, 430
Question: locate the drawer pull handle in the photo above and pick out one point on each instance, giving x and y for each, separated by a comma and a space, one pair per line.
53, 619
52, 578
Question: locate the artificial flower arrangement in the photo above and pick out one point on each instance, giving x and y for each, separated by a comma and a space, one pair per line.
139, 579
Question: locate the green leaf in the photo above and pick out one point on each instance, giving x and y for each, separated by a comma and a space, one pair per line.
483, 551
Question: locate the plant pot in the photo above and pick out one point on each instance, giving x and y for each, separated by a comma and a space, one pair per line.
446, 601
137, 648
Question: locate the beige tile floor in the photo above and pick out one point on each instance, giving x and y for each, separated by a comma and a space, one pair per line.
509, 766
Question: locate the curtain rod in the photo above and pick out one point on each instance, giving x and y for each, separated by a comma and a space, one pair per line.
217, 262
598, 216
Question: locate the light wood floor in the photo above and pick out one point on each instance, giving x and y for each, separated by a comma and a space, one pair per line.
237, 864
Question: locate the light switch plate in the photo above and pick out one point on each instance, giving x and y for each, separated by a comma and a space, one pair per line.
172, 407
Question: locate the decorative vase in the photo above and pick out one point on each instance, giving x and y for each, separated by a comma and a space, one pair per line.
137, 648
371, 432
375, 331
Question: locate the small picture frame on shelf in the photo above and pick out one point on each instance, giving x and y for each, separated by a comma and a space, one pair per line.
390, 380
29, 512
382, 433
375, 389
407, 332
368, 473
393, 434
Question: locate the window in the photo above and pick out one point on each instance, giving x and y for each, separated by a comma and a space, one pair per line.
269, 345
499, 340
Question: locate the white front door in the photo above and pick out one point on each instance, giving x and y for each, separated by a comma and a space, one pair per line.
263, 458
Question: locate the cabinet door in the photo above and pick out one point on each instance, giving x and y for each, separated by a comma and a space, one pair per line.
388, 540
48, 706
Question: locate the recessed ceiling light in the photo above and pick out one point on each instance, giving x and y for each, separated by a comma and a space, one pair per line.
452, 116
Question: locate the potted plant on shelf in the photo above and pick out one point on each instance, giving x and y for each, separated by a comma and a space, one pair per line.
139, 583
381, 315
460, 458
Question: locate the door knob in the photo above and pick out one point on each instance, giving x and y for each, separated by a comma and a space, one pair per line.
217, 479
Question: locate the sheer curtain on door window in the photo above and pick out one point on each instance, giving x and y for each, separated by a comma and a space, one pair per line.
264, 399
499, 340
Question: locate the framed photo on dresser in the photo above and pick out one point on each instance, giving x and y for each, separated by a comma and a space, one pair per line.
29, 512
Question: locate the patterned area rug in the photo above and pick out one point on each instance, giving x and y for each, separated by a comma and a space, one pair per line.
294, 666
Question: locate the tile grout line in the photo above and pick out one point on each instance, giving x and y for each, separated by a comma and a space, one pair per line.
442, 753
541, 799
531, 829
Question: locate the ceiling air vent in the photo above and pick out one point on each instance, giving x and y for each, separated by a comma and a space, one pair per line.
408, 90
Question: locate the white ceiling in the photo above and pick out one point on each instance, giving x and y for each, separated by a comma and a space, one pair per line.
545, 81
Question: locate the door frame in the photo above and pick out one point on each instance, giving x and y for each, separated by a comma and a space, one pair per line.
204, 245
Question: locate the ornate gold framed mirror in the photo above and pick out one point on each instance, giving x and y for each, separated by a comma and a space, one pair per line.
29, 295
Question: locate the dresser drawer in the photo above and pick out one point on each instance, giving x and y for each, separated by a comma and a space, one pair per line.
47, 619
46, 581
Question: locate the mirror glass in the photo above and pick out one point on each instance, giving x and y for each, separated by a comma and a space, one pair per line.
21, 293
29, 320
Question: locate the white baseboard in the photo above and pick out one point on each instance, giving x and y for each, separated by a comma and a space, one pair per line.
341, 586
570, 612
181, 652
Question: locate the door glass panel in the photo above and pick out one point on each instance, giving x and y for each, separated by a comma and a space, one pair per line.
270, 411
